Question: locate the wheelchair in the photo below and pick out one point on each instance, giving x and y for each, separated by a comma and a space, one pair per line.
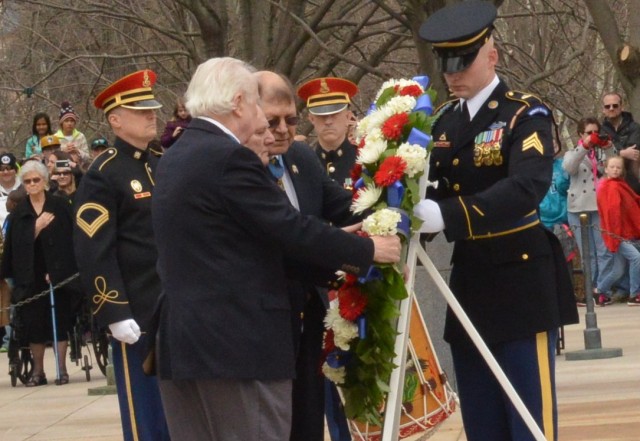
19, 354
86, 331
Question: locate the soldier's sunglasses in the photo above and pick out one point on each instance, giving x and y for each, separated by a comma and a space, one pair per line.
288, 120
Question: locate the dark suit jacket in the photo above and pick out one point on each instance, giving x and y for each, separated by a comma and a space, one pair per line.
223, 228
493, 172
320, 196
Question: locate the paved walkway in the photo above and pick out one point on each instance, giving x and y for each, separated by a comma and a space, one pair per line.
599, 400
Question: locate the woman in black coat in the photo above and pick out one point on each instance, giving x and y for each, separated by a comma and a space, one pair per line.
39, 250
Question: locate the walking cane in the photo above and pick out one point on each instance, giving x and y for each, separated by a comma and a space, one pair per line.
55, 333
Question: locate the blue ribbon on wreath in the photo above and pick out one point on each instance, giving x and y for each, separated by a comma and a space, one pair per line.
423, 104
362, 326
417, 136
373, 274
395, 193
422, 80
338, 358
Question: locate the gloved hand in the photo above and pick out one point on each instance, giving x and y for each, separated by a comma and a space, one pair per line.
126, 331
429, 212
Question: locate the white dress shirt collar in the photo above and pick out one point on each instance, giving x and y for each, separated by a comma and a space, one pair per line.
474, 104
221, 127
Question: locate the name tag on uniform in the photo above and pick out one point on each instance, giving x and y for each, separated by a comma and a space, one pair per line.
146, 194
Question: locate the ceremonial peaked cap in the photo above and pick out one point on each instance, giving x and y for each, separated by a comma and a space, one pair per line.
131, 92
457, 33
326, 96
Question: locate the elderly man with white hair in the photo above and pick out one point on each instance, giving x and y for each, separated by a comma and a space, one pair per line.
224, 229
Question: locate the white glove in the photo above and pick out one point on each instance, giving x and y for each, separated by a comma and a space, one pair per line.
126, 331
429, 212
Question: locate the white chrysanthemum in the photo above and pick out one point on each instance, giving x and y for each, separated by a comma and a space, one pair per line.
367, 197
415, 156
344, 331
382, 223
335, 375
371, 150
399, 104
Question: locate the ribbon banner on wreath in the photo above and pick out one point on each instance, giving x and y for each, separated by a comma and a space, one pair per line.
394, 140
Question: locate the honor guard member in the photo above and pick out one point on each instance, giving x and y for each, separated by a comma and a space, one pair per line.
328, 101
115, 247
492, 158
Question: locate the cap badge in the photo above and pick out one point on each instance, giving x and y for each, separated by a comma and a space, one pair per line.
136, 186
146, 82
6, 160
324, 87
492, 104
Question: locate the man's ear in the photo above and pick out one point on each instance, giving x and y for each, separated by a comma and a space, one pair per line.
113, 119
238, 104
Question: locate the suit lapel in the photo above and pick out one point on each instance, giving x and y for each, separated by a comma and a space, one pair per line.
289, 160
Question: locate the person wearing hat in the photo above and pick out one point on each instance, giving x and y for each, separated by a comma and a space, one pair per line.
492, 159
116, 250
71, 139
8, 181
48, 145
98, 146
328, 101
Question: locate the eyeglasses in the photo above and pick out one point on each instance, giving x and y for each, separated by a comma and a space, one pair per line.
31, 181
62, 173
100, 142
611, 106
288, 120
590, 132
5, 168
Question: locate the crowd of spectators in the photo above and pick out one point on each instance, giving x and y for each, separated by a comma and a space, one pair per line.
576, 189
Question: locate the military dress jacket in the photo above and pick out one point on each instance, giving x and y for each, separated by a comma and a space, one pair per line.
113, 235
339, 162
508, 270
223, 229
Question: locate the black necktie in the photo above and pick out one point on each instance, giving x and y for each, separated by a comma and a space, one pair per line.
466, 118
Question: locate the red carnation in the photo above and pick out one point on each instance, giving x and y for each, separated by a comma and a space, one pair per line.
329, 344
412, 90
351, 302
392, 128
356, 172
349, 279
390, 171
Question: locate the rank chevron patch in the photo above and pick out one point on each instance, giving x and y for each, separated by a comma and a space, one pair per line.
533, 142
91, 217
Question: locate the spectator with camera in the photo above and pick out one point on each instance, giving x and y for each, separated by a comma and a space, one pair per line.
625, 135
585, 165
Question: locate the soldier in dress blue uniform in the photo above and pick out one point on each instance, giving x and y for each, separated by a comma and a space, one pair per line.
328, 101
115, 247
492, 158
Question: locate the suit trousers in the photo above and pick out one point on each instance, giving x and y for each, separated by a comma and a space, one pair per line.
138, 395
487, 412
227, 409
